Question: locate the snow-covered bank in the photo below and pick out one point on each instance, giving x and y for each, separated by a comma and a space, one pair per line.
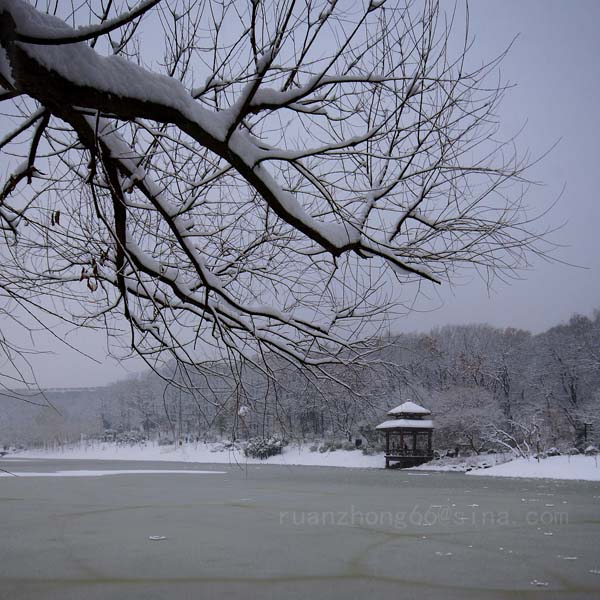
578, 467
209, 453
555, 467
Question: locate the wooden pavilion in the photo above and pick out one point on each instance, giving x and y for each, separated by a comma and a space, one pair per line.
408, 436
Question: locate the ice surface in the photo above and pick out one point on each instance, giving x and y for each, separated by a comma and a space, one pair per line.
94, 473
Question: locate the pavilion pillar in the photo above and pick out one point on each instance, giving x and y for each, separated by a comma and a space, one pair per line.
429, 447
387, 442
414, 442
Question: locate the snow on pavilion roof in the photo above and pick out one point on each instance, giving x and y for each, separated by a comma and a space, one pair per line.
409, 408
406, 424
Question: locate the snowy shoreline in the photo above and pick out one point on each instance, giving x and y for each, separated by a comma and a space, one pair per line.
586, 468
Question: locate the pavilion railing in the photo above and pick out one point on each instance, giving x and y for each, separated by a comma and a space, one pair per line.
408, 452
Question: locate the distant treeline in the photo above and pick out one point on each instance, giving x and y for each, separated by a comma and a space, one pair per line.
488, 388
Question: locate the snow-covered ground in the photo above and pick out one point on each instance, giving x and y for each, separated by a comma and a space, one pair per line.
209, 453
553, 467
580, 467
556, 467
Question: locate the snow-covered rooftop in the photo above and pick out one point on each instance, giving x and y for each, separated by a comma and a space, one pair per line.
410, 408
406, 423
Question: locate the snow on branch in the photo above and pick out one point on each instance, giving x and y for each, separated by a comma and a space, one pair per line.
323, 160
124, 89
36, 33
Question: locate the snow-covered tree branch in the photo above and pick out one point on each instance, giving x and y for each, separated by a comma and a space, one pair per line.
264, 184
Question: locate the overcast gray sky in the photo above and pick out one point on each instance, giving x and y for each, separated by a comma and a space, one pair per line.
554, 66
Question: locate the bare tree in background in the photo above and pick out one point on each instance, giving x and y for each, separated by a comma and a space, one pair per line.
247, 178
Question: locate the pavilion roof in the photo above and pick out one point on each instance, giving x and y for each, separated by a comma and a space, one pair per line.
409, 408
406, 424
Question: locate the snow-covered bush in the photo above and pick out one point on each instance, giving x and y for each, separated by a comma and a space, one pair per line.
573, 451
333, 445
225, 446
591, 450
130, 438
259, 447
553, 452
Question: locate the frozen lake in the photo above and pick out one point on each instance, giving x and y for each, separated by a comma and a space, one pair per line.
291, 532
